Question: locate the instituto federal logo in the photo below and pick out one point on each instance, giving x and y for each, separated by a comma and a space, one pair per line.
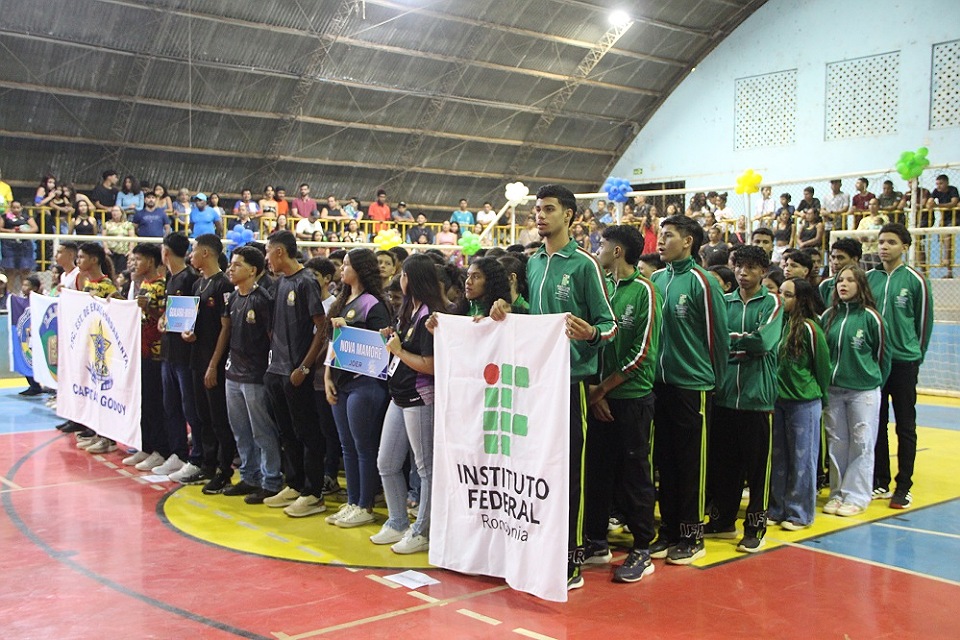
500, 422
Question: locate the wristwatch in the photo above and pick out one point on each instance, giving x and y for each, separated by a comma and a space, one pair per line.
304, 370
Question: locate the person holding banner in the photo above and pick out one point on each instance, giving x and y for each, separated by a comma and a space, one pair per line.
92, 262
298, 334
210, 337
563, 278
359, 401
618, 439
152, 299
408, 424
687, 374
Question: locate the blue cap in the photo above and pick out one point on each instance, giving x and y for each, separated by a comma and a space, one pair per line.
200, 196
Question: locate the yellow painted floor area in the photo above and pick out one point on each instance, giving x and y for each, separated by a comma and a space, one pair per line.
230, 522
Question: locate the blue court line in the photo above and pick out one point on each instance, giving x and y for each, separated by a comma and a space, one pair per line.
929, 415
913, 550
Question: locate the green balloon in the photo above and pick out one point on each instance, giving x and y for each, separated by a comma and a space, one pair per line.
922, 152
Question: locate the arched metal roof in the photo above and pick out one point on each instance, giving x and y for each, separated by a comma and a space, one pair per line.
431, 100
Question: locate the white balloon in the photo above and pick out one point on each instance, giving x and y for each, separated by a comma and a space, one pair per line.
515, 192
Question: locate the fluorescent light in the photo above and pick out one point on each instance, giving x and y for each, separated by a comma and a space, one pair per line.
619, 17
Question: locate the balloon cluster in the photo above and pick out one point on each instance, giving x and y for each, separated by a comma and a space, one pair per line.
617, 189
239, 236
748, 182
912, 163
516, 192
469, 243
387, 239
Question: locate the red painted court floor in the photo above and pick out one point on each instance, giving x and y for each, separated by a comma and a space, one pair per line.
87, 553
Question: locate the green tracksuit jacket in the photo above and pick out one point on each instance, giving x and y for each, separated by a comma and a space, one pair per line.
571, 281
905, 301
826, 289
633, 352
750, 382
859, 357
806, 377
693, 337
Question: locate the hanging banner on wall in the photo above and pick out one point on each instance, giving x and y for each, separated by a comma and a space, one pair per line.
43, 339
99, 365
500, 470
21, 359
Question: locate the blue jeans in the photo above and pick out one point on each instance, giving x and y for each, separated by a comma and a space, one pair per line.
180, 408
361, 404
406, 429
852, 421
257, 436
793, 481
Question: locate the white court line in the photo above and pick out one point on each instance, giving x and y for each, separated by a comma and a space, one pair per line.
532, 634
422, 596
872, 563
10, 483
384, 582
479, 616
927, 531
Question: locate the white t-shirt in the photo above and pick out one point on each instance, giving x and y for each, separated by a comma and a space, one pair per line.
68, 280
485, 218
305, 227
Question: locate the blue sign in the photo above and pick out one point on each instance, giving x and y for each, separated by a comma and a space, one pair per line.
181, 313
360, 351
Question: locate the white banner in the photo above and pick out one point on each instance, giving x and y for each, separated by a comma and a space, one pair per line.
500, 464
99, 365
43, 339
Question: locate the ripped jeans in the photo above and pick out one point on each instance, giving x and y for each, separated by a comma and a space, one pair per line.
852, 419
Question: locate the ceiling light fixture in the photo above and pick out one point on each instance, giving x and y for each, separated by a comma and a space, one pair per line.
619, 18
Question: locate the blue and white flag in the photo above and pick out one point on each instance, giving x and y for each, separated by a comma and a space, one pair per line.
99, 373
43, 339
21, 358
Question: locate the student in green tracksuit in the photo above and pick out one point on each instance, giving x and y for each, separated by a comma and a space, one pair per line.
741, 436
621, 407
693, 356
803, 377
842, 252
563, 278
859, 363
905, 301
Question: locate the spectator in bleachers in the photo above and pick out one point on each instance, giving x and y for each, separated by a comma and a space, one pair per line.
130, 196
17, 255
308, 224
104, 195
861, 200
529, 232
268, 203
380, 211
713, 245
783, 232
946, 199
283, 207
353, 209
835, 206
811, 229
462, 216
46, 191
303, 206
401, 214
352, 233
889, 199
873, 221
487, 215
725, 214
164, 203
765, 209
83, 223
213, 201
246, 197
118, 226
181, 210
785, 199
203, 219
334, 210
420, 233
151, 221
455, 229
808, 201
246, 221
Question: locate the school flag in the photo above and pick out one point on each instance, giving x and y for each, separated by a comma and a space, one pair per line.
500, 467
21, 359
99, 373
43, 339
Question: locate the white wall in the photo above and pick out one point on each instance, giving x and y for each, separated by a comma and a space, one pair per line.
691, 137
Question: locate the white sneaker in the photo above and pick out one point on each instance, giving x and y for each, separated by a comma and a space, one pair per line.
286, 497
172, 464
153, 460
102, 445
356, 518
83, 443
305, 506
136, 458
411, 544
388, 535
186, 470
344, 509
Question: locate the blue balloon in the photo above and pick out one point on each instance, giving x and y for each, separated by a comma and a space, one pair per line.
246, 236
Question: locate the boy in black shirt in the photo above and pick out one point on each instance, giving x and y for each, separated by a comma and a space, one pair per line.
249, 315
210, 336
298, 332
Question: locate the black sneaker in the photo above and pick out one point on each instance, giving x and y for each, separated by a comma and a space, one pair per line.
751, 544
574, 577
257, 497
661, 548
330, 486
85, 433
714, 530
686, 552
197, 477
241, 489
30, 392
220, 482
70, 427
637, 565
901, 500
596, 552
